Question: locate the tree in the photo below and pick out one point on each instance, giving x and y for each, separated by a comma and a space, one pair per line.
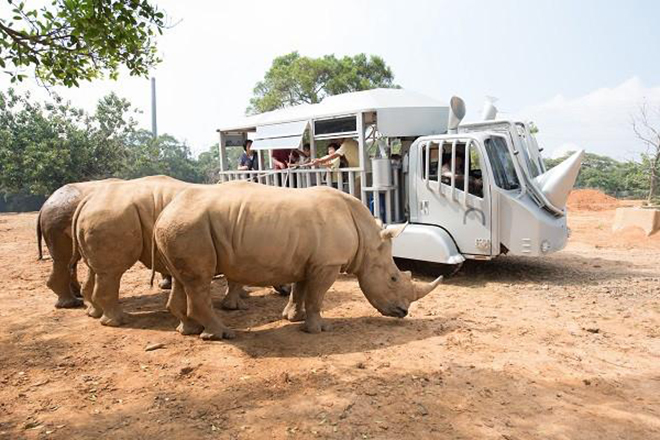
75, 40
293, 79
607, 174
646, 126
166, 155
43, 147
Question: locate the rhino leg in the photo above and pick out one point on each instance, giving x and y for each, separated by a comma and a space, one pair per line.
284, 289
74, 284
295, 310
232, 300
60, 277
200, 309
93, 309
318, 282
166, 282
177, 305
106, 296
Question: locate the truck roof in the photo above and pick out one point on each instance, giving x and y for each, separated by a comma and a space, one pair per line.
405, 101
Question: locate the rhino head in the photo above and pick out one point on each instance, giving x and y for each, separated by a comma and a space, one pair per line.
388, 289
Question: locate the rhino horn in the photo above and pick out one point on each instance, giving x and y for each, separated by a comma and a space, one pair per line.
392, 232
423, 289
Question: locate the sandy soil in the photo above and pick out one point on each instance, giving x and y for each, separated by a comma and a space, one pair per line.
566, 347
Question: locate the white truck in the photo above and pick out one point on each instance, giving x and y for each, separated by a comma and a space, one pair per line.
466, 191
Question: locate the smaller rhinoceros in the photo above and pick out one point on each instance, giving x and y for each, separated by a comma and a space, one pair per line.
260, 235
54, 225
111, 231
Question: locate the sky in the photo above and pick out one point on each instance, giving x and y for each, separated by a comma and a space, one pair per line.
579, 70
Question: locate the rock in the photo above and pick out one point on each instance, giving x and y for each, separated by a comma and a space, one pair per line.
152, 347
422, 409
185, 371
33, 424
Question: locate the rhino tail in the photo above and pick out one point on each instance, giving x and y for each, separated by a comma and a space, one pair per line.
75, 254
153, 261
39, 237
153, 255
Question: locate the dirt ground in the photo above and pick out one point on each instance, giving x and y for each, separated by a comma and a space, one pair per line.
565, 347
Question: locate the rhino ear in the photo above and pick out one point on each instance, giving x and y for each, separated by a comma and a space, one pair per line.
379, 222
408, 274
392, 231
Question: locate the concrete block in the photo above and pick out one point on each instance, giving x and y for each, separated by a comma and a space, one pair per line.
646, 218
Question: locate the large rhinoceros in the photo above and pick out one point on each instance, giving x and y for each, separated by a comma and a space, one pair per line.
260, 235
54, 225
112, 230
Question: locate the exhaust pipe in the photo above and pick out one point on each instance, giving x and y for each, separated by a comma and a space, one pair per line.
489, 112
456, 114
558, 182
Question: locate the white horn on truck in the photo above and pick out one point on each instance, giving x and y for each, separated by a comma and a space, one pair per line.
489, 112
558, 182
456, 114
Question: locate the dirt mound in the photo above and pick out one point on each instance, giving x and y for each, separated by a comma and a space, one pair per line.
590, 200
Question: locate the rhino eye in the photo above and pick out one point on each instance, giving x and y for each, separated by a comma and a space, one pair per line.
393, 278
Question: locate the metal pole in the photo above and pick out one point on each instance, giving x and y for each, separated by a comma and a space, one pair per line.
223, 153
363, 156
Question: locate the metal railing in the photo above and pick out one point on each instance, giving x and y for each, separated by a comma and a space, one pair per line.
348, 180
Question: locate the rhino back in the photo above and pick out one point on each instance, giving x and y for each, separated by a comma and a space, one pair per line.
267, 234
129, 207
57, 211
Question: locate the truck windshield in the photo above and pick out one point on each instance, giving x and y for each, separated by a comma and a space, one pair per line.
504, 172
529, 150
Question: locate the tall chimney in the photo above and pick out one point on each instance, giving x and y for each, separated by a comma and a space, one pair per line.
154, 128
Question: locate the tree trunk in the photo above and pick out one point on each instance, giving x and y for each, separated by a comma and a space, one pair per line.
654, 179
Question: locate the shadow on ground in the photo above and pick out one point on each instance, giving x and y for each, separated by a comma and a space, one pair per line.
570, 270
452, 401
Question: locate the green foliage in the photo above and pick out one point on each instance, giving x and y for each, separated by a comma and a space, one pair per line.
163, 155
43, 147
293, 79
208, 162
73, 40
622, 179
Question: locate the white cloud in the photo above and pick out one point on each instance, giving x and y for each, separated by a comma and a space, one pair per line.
599, 121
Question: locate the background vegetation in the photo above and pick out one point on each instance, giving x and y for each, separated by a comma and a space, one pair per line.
627, 179
46, 145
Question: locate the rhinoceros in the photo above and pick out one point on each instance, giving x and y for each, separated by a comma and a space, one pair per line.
260, 235
54, 225
112, 230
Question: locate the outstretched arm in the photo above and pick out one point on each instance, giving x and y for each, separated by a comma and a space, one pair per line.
325, 159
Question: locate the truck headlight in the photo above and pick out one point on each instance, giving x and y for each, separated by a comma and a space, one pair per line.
545, 246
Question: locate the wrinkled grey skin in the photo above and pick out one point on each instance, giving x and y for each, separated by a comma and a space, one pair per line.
112, 230
54, 227
262, 236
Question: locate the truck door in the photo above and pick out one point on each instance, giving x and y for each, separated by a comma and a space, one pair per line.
452, 192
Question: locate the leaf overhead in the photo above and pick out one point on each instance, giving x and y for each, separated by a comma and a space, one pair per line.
80, 40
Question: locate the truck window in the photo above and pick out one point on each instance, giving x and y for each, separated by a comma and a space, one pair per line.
504, 172
475, 185
433, 161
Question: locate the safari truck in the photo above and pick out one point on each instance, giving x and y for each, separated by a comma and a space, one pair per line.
465, 190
